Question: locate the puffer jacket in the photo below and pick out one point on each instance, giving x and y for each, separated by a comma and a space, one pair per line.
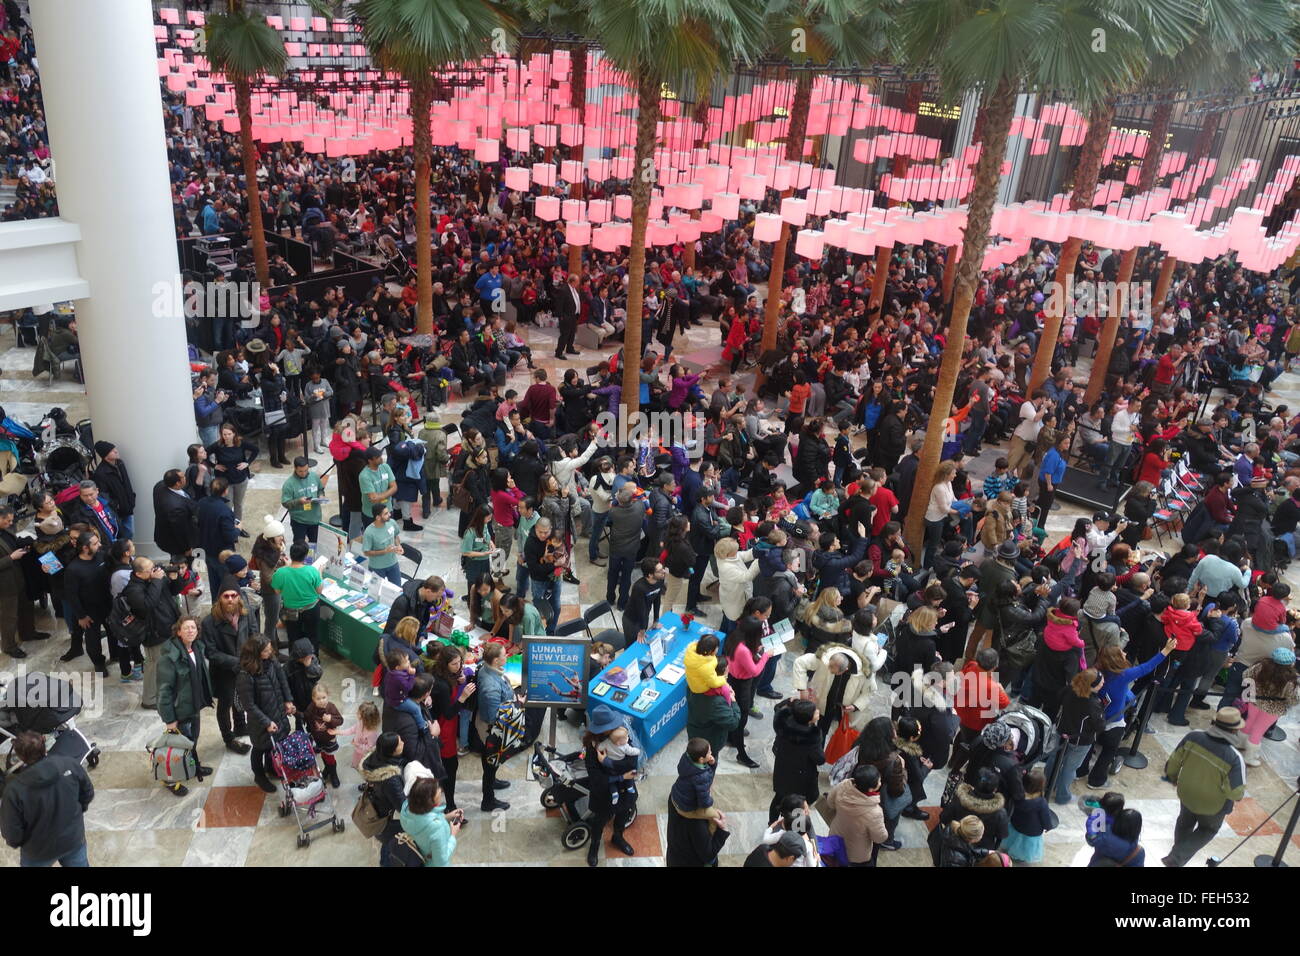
796, 755
859, 820
1062, 632
948, 849
384, 778
991, 810
734, 577
43, 808
263, 697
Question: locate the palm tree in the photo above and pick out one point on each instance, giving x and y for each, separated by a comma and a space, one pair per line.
417, 38
245, 48
841, 31
654, 41
1228, 40
999, 47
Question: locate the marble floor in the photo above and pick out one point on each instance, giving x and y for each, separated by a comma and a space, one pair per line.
227, 821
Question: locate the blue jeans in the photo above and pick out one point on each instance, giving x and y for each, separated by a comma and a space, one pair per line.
412, 708
769, 674
1289, 540
1116, 460
208, 434
546, 595
620, 576
128, 527
974, 434
75, 857
1071, 757
598, 521
391, 573
521, 579
462, 729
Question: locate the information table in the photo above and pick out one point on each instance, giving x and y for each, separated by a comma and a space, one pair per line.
665, 717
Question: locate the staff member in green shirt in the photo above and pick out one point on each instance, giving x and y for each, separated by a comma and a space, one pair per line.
299, 587
381, 546
378, 483
298, 494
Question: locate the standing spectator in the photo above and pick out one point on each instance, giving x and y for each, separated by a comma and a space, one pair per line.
184, 690
44, 805
218, 530
625, 519
111, 476
302, 493
263, 691
299, 585
1210, 775
151, 596
231, 457
796, 753
176, 516
225, 630
859, 820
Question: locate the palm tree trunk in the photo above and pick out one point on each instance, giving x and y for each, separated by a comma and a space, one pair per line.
647, 118
880, 276
421, 101
793, 154
578, 100
1150, 166
997, 123
1085, 187
253, 192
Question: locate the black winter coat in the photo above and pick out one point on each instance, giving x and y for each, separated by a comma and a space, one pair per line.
796, 755
689, 841
115, 484
991, 810
221, 643
43, 808
176, 520
154, 601
417, 744
812, 460
262, 697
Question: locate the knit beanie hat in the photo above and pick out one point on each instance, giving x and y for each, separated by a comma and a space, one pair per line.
102, 448
271, 528
1283, 655
971, 829
995, 735
412, 772
228, 583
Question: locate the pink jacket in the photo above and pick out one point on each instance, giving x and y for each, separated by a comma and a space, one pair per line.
742, 665
1061, 633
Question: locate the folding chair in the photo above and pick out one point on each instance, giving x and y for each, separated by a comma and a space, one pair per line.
415, 557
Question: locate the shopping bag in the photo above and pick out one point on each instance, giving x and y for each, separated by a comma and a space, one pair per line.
841, 742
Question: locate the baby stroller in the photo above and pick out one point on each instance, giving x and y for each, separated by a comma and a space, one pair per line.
64, 463
305, 793
46, 705
565, 790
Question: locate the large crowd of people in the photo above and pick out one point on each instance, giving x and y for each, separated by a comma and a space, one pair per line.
791, 502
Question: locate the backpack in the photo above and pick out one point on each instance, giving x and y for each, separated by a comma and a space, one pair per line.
126, 628
366, 816
402, 850
173, 758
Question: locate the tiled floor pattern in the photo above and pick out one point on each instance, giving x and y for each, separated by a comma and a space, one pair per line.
227, 821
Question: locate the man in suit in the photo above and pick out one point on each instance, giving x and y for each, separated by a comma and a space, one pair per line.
176, 516
568, 309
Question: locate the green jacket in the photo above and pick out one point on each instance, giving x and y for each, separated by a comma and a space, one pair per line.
711, 717
436, 456
175, 688
295, 488
1208, 770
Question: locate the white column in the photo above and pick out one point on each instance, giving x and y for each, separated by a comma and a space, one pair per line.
104, 109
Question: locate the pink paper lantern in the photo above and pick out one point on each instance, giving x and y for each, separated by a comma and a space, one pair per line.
544, 174
297, 23
517, 178
660, 234
487, 150
621, 167
809, 243
544, 135
572, 210
578, 233
752, 186
604, 239
623, 207
794, 211
836, 232
688, 229
767, 227
571, 171
313, 144
598, 170
710, 221
547, 208
599, 210
518, 139
782, 177
690, 196
727, 205
336, 146
861, 242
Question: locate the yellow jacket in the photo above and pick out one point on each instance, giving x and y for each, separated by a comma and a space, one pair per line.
702, 671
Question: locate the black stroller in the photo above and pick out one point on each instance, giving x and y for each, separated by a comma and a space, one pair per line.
46, 705
564, 789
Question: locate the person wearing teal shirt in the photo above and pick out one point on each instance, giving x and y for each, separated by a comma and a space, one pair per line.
381, 546
378, 483
299, 493
299, 585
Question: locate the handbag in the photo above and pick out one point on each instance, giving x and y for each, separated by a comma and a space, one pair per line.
461, 496
275, 417
842, 741
365, 817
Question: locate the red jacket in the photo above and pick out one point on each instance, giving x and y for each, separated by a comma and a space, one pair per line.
1182, 625
977, 693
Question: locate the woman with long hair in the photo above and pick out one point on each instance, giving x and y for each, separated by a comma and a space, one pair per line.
198, 473
878, 747
452, 688
678, 558
1117, 689
825, 621
746, 659
232, 457
476, 545
262, 689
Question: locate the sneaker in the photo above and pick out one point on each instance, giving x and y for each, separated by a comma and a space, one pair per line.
177, 788
745, 760
409, 525
755, 714
1098, 786
137, 672
494, 804
1200, 705
131, 678
892, 845
462, 751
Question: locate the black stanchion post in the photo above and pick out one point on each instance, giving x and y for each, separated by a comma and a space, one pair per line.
1133, 759
1275, 861
1057, 765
